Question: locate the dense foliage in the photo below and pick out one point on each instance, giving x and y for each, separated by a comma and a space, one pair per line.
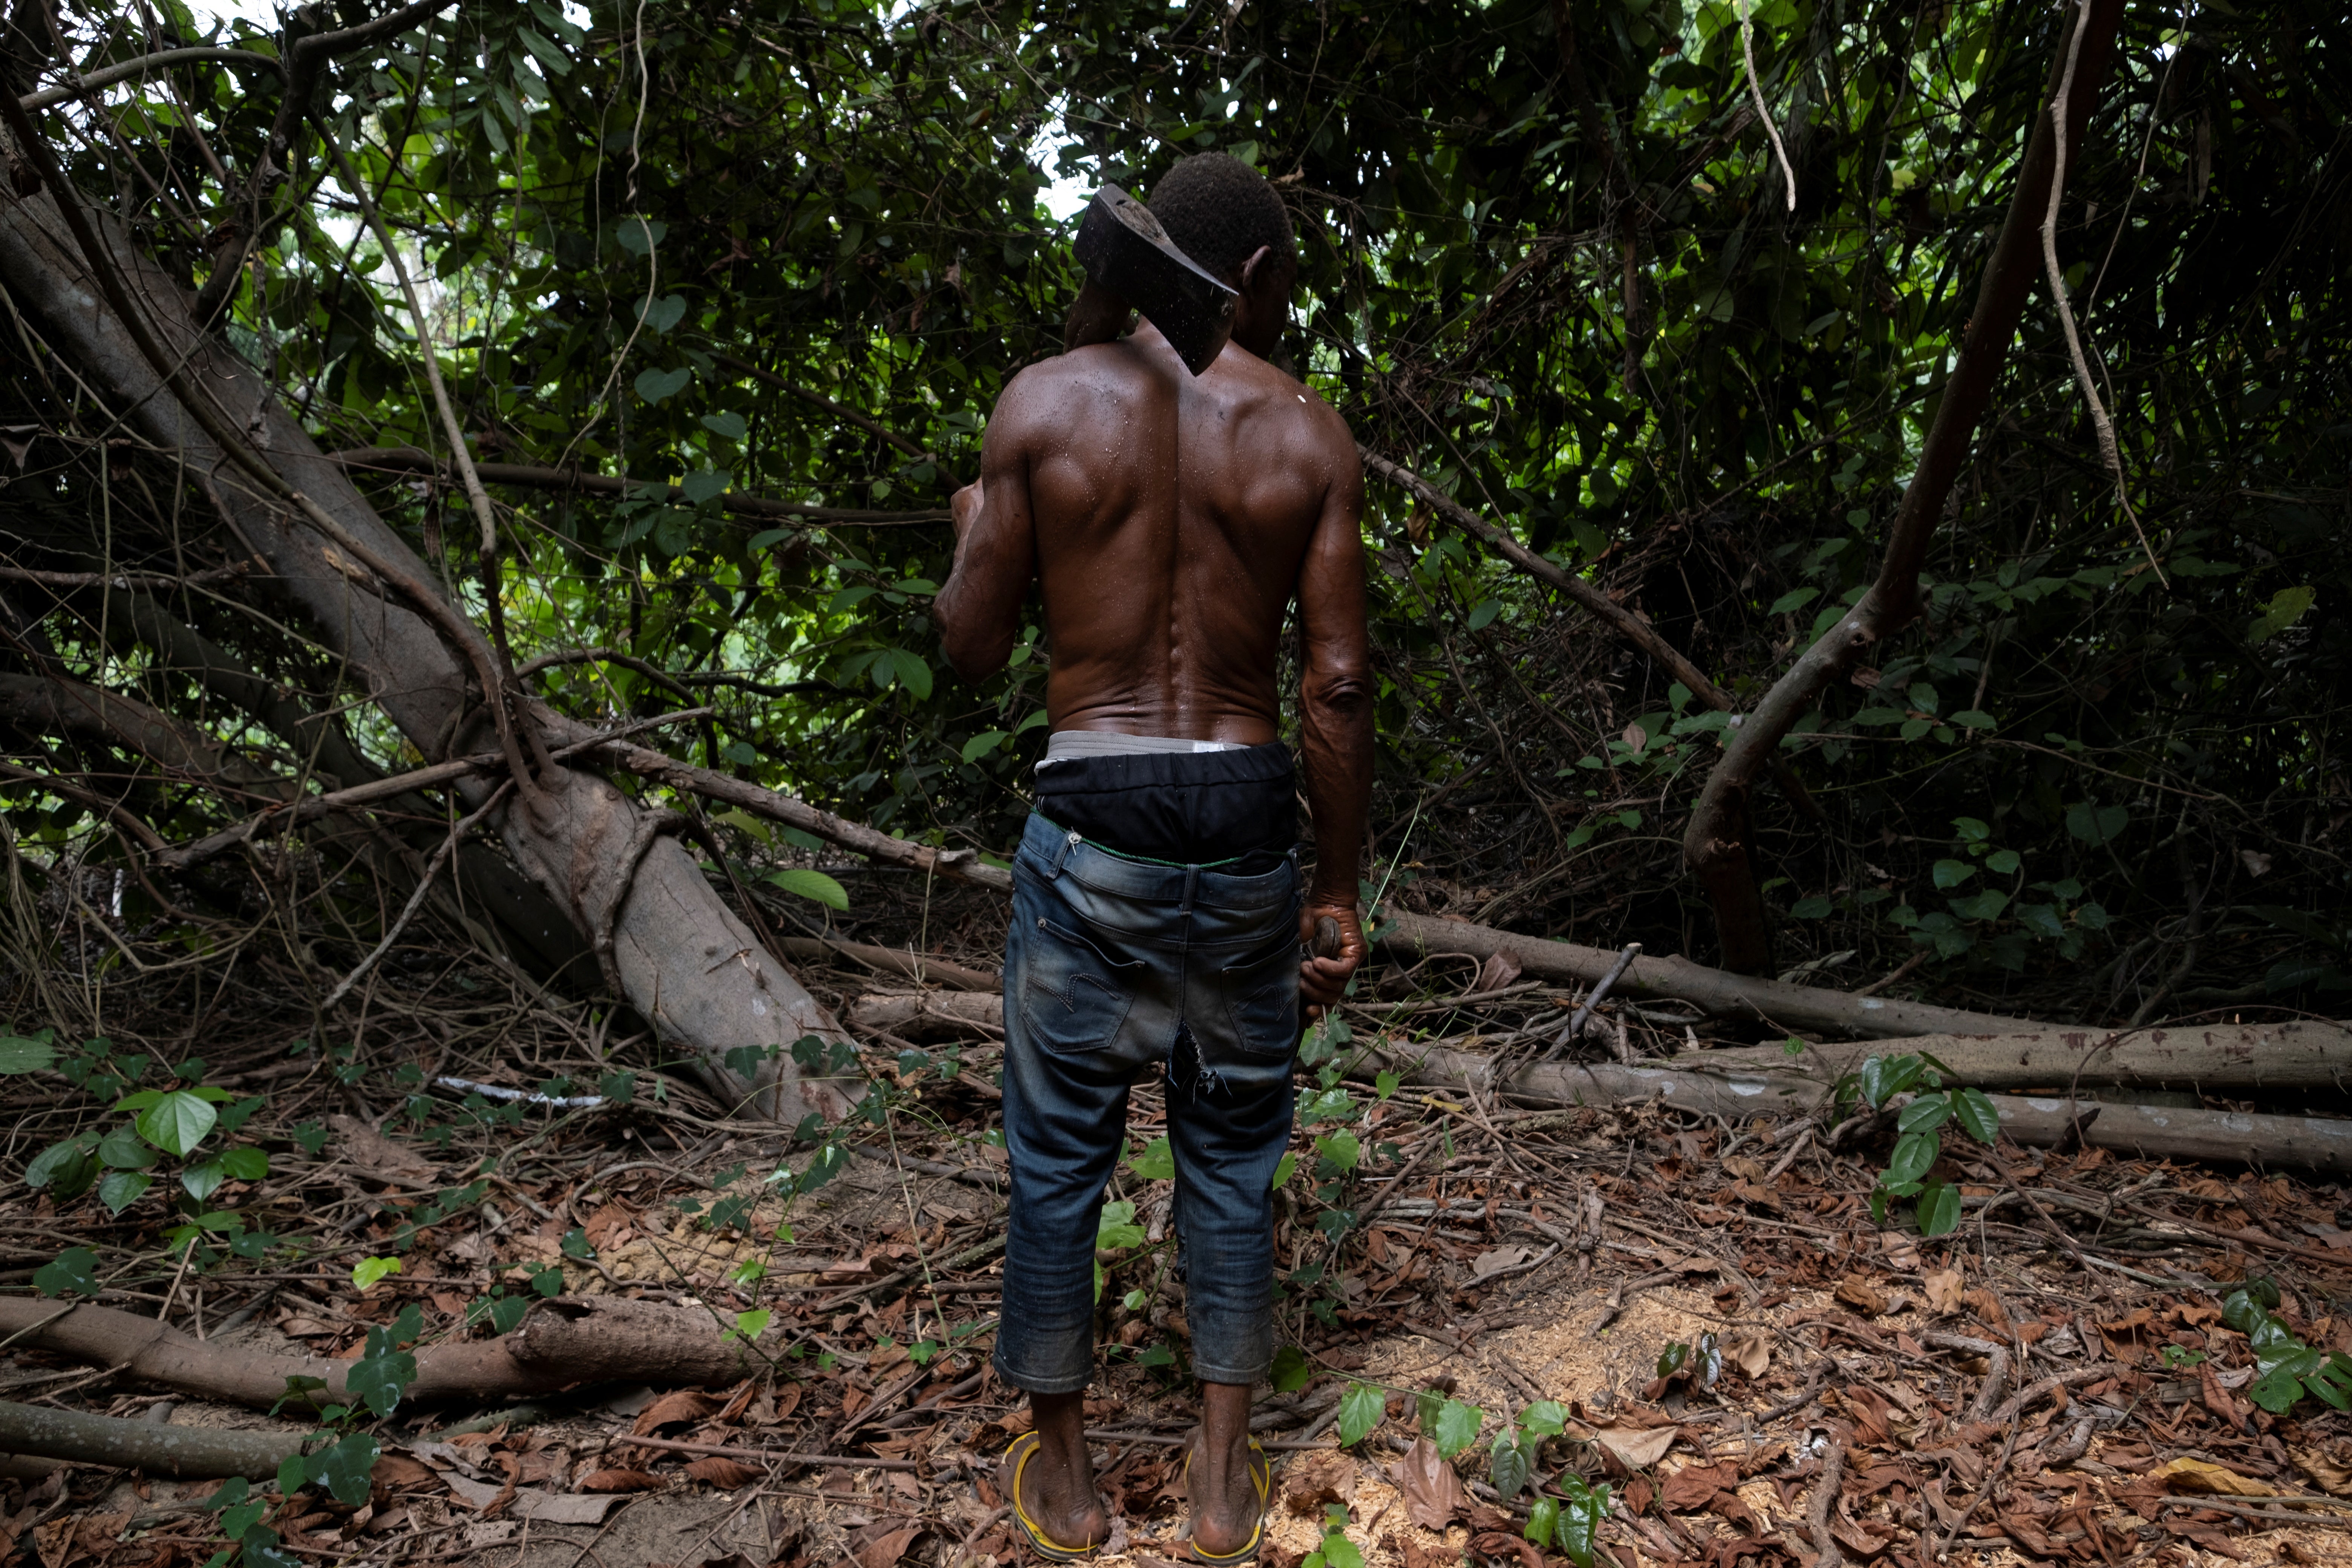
1549, 262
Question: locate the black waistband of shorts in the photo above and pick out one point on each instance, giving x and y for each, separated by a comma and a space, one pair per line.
1188, 808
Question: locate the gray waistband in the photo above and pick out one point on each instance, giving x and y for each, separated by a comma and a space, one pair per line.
1064, 745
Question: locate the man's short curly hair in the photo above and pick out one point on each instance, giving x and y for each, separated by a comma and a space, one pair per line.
1219, 210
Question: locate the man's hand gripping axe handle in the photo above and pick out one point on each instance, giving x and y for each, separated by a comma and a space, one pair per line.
1131, 264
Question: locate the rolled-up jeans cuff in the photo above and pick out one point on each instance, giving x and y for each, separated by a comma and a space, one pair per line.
1068, 1372
1247, 1376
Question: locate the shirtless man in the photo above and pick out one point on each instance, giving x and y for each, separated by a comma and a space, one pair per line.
1157, 912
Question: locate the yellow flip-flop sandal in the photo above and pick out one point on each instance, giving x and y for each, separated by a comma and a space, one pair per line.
1009, 1469
1262, 1472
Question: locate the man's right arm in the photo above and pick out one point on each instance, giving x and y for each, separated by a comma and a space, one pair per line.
1335, 710
979, 609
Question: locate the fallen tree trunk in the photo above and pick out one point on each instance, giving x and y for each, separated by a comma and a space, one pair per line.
1714, 990
671, 945
929, 1016
183, 1453
2312, 1143
561, 1342
894, 961
2299, 1055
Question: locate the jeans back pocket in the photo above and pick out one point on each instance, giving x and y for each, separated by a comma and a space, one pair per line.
1074, 994
1262, 998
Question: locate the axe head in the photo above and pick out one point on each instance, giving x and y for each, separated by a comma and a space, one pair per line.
1126, 253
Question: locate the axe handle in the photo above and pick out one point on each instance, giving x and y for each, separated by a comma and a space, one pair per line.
1327, 940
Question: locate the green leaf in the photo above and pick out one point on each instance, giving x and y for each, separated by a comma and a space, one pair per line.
1282, 1171
1580, 1521
1986, 905
204, 1179
662, 314
124, 1149
1458, 1426
1913, 1153
1509, 1469
726, 423
1975, 718
383, 1371
20, 1055
1155, 1162
750, 1326
2096, 825
1360, 1409
1291, 1371
1484, 615
345, 1470
555, 60
658, 385
73, 1271
177, 1121
66, 1169
1924, 1115
1951, 873
1341, 1149
1975, 1111
2286, 607
1940, 1208
2004, 862
705, 484
246, 1164
2275, 1390
979, 746
639, 236
118, 1190
1793, 600
809, 884
1543, 1418
1338, 1551
1543, 1519
369, 1271
908, 669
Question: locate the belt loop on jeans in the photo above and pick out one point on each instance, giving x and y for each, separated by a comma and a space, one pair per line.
1062, 853
1192, 887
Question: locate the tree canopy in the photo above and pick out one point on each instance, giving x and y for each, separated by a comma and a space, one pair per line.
722, 295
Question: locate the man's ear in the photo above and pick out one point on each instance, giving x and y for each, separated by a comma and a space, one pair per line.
1256, 267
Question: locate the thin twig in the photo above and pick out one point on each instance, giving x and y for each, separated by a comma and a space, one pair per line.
424, 886
2108, 450
1756, 92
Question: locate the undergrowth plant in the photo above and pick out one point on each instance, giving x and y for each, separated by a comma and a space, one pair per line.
1919, 1123
2286, 1368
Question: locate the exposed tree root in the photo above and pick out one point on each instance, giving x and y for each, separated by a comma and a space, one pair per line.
158, 1449
560, 1343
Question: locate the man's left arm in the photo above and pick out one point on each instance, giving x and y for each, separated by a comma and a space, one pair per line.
1335, 706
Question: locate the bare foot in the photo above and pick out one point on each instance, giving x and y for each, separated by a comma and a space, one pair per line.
1224, 1487
1057, 1485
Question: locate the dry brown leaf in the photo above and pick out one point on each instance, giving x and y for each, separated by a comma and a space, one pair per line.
1862, 1296
1692, 1487
1750, 1349
1988, 1310
882, 1544
2187, 1474
372, 1151
2328, 1466
1744, 1168
1496, 1260
1500, 969
1943, 1287
1902, 1251
1636, 1448
1432, 1492
1318, 1478
619, 1481
393, 1471
687, 1404
724, 1473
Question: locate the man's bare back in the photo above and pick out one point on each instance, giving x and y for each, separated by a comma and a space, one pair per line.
1170, 521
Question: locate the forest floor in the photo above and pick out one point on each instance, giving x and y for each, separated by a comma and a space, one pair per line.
2052, 1381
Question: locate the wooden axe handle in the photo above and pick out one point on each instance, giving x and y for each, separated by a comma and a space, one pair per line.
1327, 940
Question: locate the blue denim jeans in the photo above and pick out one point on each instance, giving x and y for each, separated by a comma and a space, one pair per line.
1114, 965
